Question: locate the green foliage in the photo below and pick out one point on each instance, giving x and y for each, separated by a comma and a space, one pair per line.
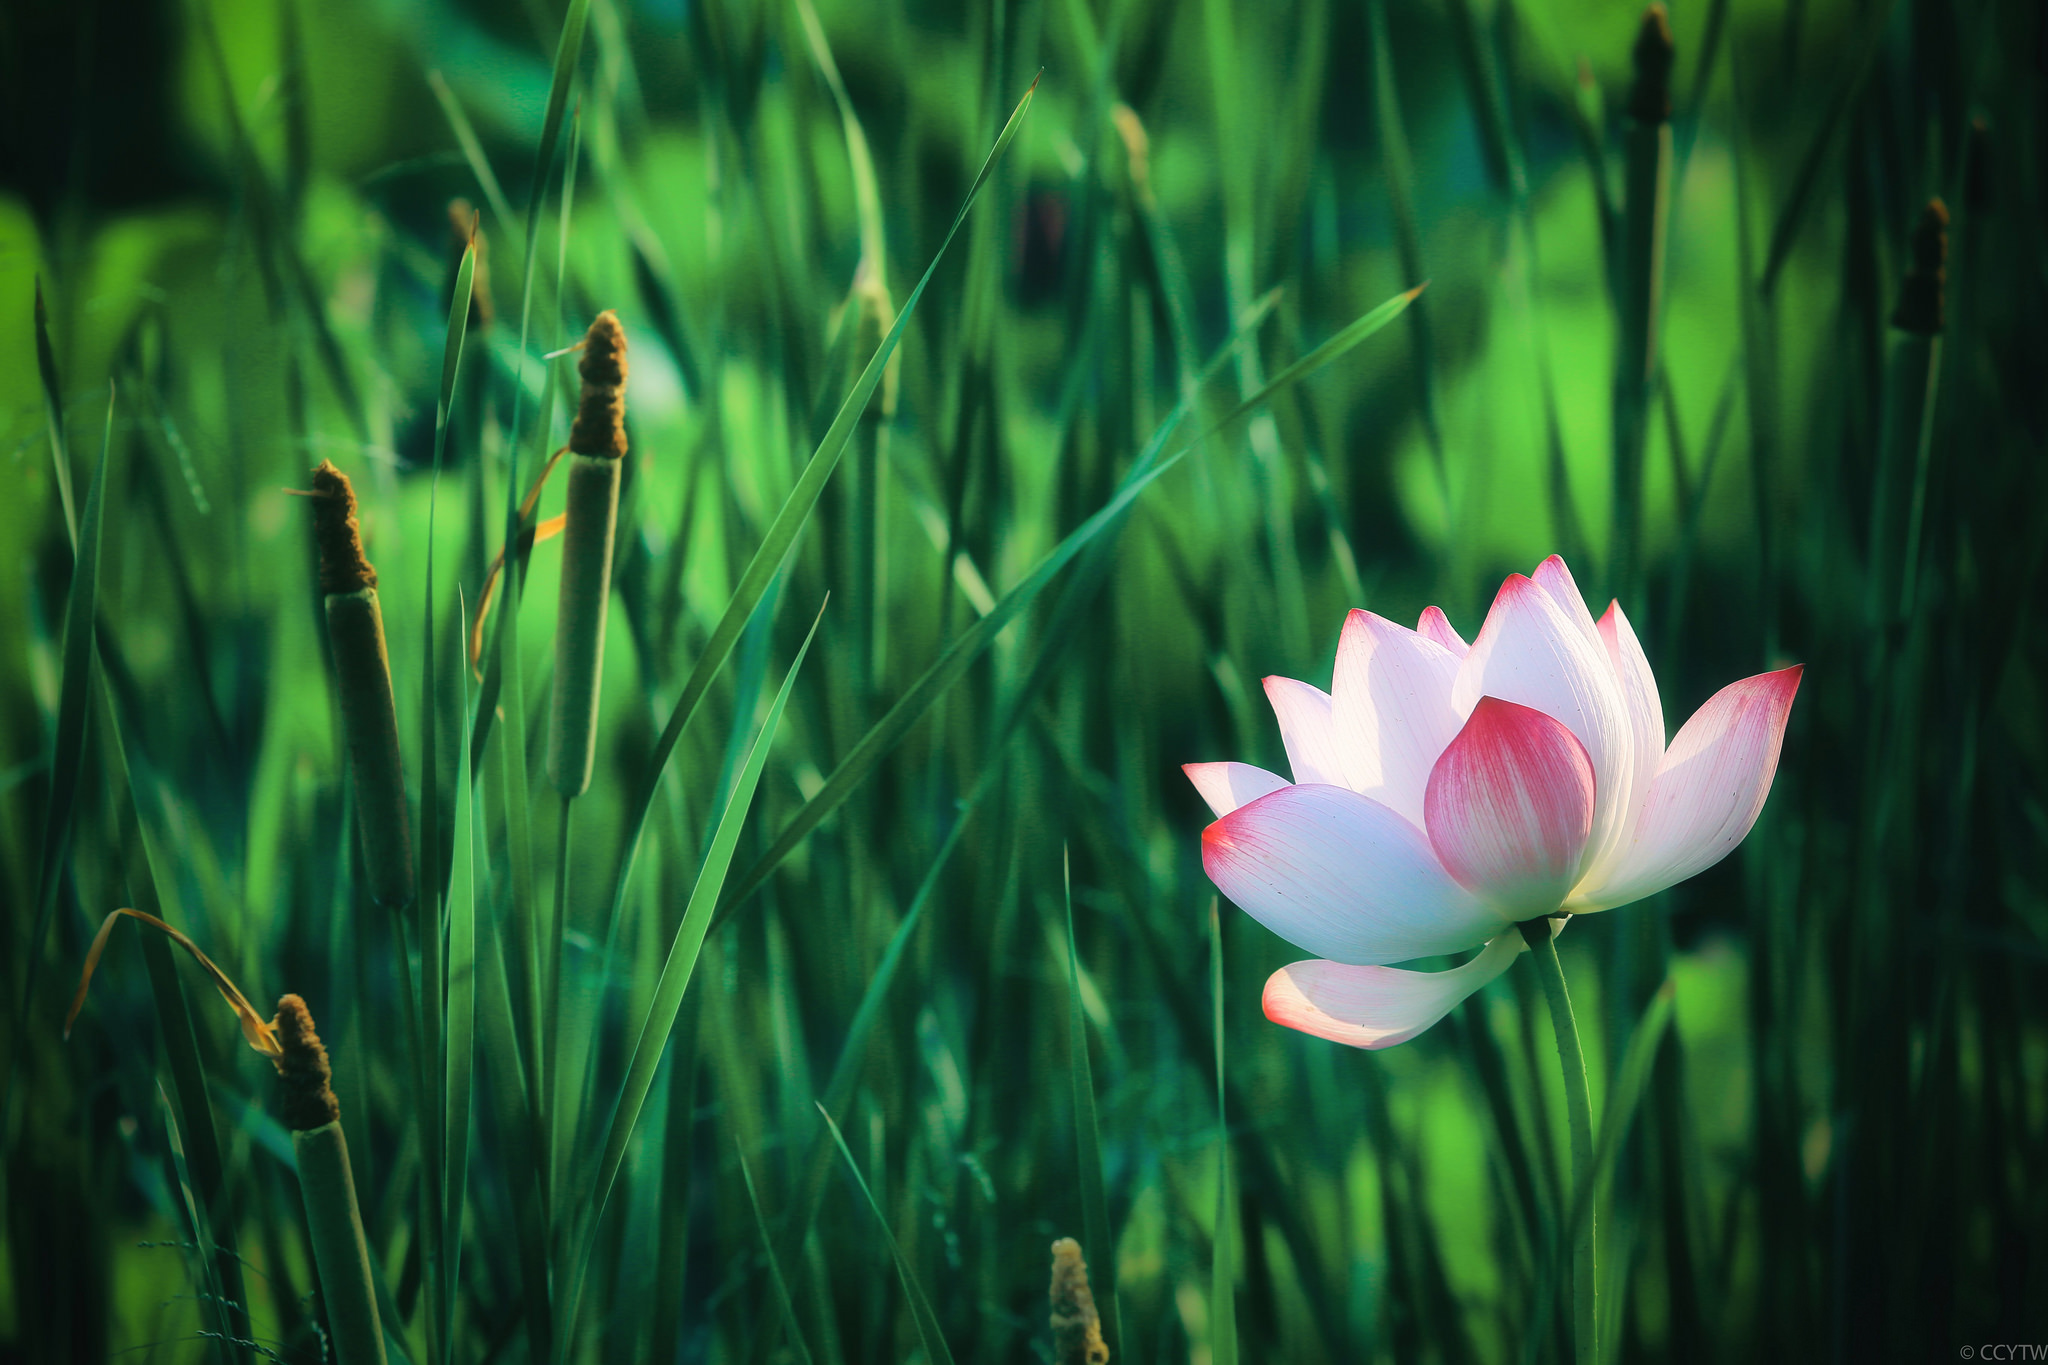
1159, 404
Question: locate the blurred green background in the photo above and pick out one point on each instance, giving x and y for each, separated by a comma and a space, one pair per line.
1832, 1124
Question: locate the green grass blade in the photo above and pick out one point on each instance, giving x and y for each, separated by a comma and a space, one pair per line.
676, 970
458, 1027
1088, 1133
935, 1349
53, 411
67, 765
512, 1110
435, 1235
789, 520
911, 707
782, 1294
1223, 1277
568, 50
472, 150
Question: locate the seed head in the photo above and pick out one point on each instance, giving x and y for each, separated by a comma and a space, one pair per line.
601, 416
343, 566
1920, 297
1076, 1328
1649, 100
304, 1079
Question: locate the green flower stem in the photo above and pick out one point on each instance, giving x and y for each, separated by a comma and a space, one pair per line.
1579, 1112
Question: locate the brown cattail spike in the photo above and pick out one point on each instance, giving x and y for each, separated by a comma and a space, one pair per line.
462, 229
1649, 100
1920, 297
304, 1079
343, 567
1076, 1328
601, 415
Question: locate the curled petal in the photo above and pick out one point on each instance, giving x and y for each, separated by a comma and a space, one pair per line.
1304, 715
1390, 707
1436, 626
1342, 876
1226, 786
1532, 652
1375, 1007
1707, 793
1509, 807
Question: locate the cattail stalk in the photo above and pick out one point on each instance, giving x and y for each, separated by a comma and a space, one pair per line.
1076, 1327
362, 669
341, 1254
1639, 281
597, 444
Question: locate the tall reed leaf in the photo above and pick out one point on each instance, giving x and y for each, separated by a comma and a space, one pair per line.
876, 744
652, 1036
53, 412
67, 764
789, 520
459, 1022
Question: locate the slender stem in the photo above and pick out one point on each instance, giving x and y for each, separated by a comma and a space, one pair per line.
1579, 1114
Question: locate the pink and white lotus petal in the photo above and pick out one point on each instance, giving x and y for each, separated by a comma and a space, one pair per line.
1707, 793
1226, 786
1375, 1007
1437, 626
1304, 715
1509, 806
1390, 704
1646, 722
1344, 877
1554, 578
1531, 651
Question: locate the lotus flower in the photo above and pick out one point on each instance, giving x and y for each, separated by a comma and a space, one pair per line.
1445, 792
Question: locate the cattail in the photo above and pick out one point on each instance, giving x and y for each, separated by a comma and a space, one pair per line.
597, 443
341, 1254
1649, 99
1076, 1328
1921, 294
362, 669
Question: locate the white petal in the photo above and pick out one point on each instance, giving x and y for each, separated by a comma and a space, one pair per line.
1554, 578
1708, 792
1304, 715
1437, 626
1391, 708
1377, 1007
1342, 876
1226, 786
1646, 725
1531, 652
